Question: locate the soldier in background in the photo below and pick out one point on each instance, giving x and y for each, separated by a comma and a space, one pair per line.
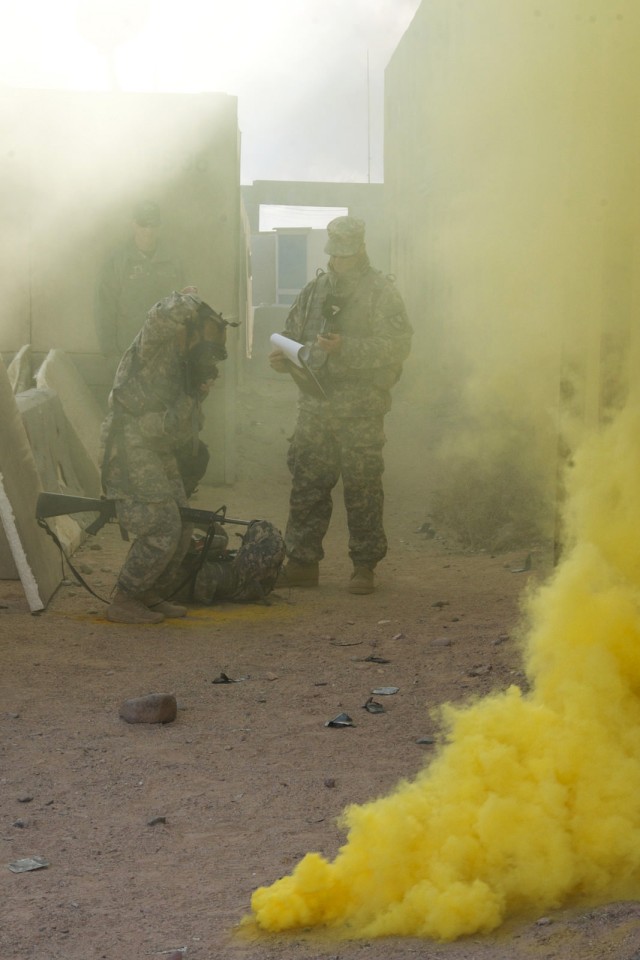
136, 274
356, 333
154, 409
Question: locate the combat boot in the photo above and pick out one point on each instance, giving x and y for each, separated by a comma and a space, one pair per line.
361, 580
295, 574
165, 607
126, 609
168, 609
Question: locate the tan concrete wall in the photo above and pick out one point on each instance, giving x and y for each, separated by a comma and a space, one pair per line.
74, 166
512, 138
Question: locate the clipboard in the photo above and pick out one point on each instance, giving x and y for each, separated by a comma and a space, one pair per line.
297, 366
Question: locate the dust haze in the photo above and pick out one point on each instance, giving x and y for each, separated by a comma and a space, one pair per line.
511, 168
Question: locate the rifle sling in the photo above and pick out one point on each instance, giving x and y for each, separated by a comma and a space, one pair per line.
45, 526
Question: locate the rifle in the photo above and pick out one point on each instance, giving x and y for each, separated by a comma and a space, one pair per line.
59, 504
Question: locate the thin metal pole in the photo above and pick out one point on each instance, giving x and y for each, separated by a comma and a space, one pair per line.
368, 122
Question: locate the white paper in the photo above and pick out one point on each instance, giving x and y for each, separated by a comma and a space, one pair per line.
290, 348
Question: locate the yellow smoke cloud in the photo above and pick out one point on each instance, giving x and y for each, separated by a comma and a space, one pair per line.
533, 800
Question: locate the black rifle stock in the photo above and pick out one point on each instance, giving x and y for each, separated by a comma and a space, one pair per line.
59, 504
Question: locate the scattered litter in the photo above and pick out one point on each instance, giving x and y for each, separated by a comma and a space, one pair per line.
385, 691
372, 706
28, 863
25, 799
382, 622
155, 821
398, 636
223, 678
371, 659
426, 740
345, 643
526, 565
480, 671
342, 720
440, 604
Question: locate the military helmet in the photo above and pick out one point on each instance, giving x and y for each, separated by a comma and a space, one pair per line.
345, 236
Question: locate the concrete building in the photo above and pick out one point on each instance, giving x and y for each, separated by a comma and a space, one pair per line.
511, 139
73, 168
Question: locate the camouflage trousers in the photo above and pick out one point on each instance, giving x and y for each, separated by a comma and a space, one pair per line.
161, 541
148, 490
322, 450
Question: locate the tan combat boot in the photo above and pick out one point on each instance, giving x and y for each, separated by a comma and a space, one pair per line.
296, 574
165, 607
126, 609
169, 609
361, 580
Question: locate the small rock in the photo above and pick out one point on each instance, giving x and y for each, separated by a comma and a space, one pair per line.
154, 708
25, 799
441, 642
480, 671
155, 821
21, 824
329, 782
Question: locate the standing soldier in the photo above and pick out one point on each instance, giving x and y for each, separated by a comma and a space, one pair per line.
135, 275
356, 335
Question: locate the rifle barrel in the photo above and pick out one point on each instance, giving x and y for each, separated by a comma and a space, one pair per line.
59, 504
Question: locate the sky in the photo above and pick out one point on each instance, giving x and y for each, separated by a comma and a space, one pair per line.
309, 75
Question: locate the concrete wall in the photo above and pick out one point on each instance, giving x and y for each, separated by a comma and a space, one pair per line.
364, 200
73, 167
512, 139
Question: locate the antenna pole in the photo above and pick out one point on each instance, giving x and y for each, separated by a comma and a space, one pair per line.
368, 122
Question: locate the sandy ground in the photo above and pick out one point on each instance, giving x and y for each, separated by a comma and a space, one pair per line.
156, 835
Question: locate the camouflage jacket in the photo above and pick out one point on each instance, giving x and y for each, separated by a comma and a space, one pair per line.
129, 283
368, 312
150, 411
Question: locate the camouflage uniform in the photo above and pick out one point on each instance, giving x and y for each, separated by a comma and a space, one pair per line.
343, 434
150, 417
129, 282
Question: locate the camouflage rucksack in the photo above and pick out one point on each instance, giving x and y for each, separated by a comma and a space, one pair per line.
242, 575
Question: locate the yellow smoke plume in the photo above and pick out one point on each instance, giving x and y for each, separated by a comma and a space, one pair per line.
533, 801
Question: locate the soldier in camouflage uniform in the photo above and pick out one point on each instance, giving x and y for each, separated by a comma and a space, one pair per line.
356, 335
153, 410
134, 275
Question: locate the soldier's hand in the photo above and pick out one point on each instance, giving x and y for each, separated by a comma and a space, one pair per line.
330, 342
277, 361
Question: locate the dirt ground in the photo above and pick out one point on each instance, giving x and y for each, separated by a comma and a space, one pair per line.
156, 835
